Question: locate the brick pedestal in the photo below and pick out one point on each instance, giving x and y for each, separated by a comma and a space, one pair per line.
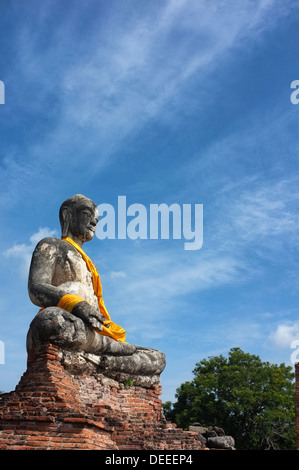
52, 409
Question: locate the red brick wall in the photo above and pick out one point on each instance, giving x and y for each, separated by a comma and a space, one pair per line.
53, 409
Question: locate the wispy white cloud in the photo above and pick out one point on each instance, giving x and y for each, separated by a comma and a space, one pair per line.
22, 252
268, 212
128, 75
260, 223
259, 141
153, 299
118, 274
146, 71
285, 334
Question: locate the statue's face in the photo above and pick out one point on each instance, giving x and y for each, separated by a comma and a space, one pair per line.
84, 220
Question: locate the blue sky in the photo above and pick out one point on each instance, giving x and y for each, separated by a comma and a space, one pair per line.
171, 101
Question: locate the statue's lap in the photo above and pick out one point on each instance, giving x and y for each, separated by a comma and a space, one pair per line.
76, 340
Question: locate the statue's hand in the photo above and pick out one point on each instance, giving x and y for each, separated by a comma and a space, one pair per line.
89, 315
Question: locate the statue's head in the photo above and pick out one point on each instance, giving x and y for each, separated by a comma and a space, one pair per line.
78, 216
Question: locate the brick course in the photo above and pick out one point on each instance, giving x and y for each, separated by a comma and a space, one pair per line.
52, 409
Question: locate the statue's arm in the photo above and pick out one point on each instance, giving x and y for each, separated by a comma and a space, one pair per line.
41, 291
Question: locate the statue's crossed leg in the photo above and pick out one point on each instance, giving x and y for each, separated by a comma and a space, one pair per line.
97, 353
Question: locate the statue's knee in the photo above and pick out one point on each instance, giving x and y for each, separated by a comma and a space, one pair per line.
58, 326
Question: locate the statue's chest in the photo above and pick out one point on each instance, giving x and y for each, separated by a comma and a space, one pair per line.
72, 268
73, 276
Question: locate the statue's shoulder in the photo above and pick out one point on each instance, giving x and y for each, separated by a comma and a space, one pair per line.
55, 246
51, 243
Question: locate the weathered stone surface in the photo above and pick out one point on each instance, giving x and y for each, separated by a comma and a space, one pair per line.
85, 351
213, 437
58, 269
210, 433
60, 327
90, 364
199, 429
221, 442
219, 431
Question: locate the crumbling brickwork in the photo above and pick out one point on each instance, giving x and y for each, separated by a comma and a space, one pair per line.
52, 409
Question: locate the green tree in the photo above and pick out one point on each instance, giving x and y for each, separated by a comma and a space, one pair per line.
253, 401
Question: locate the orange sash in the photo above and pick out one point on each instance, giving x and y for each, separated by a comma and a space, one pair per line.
68, 301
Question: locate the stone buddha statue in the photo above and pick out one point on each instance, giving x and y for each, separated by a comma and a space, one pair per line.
65, 283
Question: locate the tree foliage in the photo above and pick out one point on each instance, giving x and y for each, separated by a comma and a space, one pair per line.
253, 401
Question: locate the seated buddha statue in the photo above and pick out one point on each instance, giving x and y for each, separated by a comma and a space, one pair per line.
66, 285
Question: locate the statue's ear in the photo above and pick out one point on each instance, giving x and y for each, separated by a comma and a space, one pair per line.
65, 212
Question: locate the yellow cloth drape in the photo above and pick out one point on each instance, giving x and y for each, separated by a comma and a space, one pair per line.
68, 301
